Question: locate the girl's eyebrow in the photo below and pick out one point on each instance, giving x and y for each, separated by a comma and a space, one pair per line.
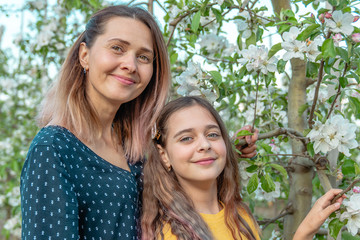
144, 49
210, 126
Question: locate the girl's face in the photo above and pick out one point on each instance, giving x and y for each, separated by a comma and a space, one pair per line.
195, 148
120, 63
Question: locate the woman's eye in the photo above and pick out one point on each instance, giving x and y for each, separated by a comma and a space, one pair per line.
117, 48
144, 59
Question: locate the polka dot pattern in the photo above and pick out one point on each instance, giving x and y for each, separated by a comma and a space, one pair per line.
69, 192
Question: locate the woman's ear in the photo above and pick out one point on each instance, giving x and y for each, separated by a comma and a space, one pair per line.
164, 156
84, 56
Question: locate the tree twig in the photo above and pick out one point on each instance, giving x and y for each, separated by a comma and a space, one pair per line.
316, 95
337, 94
345, 191
288, 210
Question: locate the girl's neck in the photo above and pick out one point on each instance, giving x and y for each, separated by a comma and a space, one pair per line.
205, 199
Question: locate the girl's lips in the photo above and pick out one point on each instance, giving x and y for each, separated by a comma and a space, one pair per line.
205, 161
124, 80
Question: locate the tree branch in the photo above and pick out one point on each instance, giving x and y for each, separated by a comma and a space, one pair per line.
316, 95
345, 191
288, 210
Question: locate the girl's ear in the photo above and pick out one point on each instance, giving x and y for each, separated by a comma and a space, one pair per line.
84, 56
164, 156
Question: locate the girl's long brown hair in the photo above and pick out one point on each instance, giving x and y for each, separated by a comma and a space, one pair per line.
164, 200
66, 102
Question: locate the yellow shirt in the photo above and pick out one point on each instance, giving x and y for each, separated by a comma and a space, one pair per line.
217, 225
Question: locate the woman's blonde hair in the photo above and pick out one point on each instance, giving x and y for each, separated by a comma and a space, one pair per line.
165, 201
66, 102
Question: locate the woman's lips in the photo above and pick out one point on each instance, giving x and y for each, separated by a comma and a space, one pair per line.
125, 80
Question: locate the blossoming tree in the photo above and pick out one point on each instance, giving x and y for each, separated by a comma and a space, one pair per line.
289, 68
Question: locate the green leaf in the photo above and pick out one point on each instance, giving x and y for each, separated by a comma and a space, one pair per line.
281, 66
307, 32
216, 76
267, 183
355, 105
348, 168
302, 109
244, 133
252, 184
274, 49
251, 40
335, 226
310, 149
196, 22
342, 53
353, 75
343, 82
284, 28
280, 168
328, 48
173, 58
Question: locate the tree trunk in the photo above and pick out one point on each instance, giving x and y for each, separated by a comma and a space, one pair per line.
301, 173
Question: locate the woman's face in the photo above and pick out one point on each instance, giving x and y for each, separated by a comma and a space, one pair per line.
119, 64
195, 148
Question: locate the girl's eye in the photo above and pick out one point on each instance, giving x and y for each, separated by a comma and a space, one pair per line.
144, 59
213, 135
185, 139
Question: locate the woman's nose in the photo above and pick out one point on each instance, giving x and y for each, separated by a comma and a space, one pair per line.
128, 62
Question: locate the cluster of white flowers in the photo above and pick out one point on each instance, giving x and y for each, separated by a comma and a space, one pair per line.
256, 59
243, 25
192, 83
298, 49
47, 33
13, 225
340, 22
352, 213
249, 113
213, 43
268, 196
209, 21
245, 175
336, 133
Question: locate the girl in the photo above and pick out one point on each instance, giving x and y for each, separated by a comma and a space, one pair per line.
191, 180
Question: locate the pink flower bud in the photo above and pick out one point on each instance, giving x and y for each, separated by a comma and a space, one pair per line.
356, 189
312, 15
356, 37
328, 15
339, 175
356, 18
337, 37
322, 18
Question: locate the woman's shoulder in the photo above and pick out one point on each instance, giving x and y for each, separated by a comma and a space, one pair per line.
50, 134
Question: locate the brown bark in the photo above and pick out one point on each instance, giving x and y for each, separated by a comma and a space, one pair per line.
300, 178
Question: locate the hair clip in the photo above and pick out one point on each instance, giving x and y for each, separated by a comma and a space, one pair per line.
157, 135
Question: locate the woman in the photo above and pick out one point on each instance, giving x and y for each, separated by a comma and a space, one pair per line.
81, 177
191, 181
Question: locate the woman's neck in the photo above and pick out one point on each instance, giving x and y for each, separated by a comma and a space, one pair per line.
204, 197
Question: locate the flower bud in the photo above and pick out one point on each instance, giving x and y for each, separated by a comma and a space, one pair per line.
328, 15
356, 189
356, 37
322, 18
337, 37
356, 18
339, 175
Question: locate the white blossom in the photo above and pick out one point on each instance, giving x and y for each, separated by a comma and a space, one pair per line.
213, 43
11, 223
209, 21
352, 213
244, 25
256, 58
268, 196
336, 133
294, 48
340, 22
245, 175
